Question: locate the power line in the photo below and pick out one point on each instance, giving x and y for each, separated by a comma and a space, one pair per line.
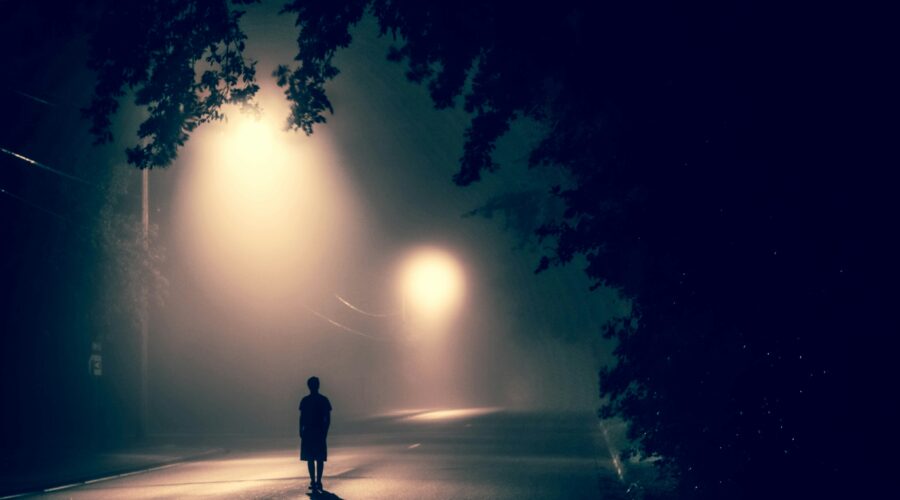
374, 315
341, 326
33, 205
45, 167
33, 98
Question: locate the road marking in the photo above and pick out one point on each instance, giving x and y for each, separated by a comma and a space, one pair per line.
107, 478
162, 467
613, 454
413, 446
126, 474
48, 490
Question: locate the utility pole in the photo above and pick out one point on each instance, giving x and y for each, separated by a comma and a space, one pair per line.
145, 300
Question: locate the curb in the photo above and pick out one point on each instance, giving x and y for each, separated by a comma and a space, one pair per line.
118, 473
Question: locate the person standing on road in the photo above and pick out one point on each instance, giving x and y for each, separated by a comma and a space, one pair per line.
315, 418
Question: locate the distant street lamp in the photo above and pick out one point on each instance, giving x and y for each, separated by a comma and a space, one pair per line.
431, 285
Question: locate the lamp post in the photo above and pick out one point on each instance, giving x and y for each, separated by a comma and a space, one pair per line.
145, 302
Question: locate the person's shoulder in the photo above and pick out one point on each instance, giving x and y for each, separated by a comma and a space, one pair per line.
326, 401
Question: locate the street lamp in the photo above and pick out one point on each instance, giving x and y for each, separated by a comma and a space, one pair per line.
263, 215
431, 285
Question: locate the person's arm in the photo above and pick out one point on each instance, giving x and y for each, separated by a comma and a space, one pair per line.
300, 421
326, 419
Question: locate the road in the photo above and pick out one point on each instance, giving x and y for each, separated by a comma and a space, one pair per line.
437, 455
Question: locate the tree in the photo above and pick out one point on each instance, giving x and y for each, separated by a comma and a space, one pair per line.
183, 61
705, 186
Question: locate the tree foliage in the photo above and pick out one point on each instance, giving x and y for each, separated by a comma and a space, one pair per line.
705, 188
131, 276
183, 60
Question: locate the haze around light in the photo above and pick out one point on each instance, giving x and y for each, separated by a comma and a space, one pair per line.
263, 215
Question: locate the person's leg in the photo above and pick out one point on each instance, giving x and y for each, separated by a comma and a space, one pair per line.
311, 465
320, 468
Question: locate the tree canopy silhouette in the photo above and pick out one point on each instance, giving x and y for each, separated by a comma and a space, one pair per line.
708, 182
182, 59
704, 186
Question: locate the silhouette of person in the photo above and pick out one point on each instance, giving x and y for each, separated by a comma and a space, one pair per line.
315, 418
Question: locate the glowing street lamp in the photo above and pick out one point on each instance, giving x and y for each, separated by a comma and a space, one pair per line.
431, 285
263, 213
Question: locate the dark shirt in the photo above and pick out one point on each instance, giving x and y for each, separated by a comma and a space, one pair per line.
315, 414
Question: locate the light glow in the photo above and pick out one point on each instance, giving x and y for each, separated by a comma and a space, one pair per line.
263, 215
453, 414
432, 284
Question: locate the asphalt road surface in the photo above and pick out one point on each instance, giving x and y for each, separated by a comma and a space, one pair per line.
437, 455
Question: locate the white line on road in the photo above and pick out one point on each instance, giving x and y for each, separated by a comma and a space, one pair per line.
92, 481
613, 454
413, 446
117, 476
48, 490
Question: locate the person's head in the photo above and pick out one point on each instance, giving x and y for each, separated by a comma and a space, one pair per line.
313, 384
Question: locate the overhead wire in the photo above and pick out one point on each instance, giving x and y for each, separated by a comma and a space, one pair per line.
46, 167
361, 311
33, 98
43, 167
83, 181
33, 205
342, 326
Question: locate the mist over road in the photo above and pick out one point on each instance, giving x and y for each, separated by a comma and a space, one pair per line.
434, 455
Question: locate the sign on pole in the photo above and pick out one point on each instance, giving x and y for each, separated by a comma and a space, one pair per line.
95, 362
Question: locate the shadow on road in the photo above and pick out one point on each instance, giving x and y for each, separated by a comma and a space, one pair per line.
323, 495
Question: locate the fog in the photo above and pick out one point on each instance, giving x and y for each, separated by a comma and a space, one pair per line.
288, 256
